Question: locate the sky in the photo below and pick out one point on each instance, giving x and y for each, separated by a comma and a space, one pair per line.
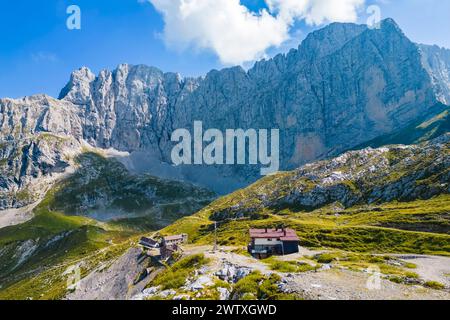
38, 51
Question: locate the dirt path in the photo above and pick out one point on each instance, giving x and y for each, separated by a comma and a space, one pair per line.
430, 268
343, 284
339, 284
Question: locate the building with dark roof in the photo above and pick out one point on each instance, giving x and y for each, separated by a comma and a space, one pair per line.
148, 243
267, 242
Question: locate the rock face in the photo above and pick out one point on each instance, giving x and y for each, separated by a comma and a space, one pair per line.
437, 62
345, 85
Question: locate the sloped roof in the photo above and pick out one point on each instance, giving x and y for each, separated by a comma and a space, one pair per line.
282, 234
148, 241
175, 237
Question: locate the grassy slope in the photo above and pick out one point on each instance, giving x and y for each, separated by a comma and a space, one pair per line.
359, 229
34, 255
371, 223
59, 241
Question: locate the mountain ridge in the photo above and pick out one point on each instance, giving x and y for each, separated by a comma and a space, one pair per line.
345, 85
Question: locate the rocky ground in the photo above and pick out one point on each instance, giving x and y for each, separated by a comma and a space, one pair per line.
12, 217
342, 284
114, 281
430, 268
330, 282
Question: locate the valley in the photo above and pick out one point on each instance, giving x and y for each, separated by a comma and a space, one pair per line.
351, 224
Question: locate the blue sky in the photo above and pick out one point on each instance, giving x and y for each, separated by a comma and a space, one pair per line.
38, 52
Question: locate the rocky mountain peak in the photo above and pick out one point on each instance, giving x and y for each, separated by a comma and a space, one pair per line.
344, 86
78, 89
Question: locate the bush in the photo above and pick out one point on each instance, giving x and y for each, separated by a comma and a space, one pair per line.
410, 265
434, 285
190, 262
398, 280
175, 276
306, 267
268, 290
288, 266
171, 279
256, 286
411, 275
283, 266
249, 284
325, 258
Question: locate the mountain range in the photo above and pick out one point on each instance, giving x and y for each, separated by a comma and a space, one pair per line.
344, 86
82, 174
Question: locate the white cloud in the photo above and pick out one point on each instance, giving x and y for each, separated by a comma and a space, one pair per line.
238, 35
42, 56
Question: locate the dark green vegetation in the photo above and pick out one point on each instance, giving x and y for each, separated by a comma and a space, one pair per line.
256, 286
379, 201
175, 276
289, 266
34, 255
434, 285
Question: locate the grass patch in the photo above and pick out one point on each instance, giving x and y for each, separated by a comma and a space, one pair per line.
175, 276
256, 286
434, 285
288, 266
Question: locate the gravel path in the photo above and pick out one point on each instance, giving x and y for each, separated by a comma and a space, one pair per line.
430, 268
340, 284
343, 284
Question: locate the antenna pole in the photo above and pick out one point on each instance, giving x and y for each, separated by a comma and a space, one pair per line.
215, 236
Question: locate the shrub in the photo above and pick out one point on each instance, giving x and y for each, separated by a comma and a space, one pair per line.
249, 284
175, 276
410, 265
398, 280
325, 258
194, 261
411, 275
171, 279
434, 285
283, 266
268, 290
306, 267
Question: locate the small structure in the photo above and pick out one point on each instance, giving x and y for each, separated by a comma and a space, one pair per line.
176, 239
267, 242
149, 243
168, 250
163, 248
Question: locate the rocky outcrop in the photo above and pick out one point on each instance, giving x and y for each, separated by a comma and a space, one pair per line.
366, 177
436, 61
